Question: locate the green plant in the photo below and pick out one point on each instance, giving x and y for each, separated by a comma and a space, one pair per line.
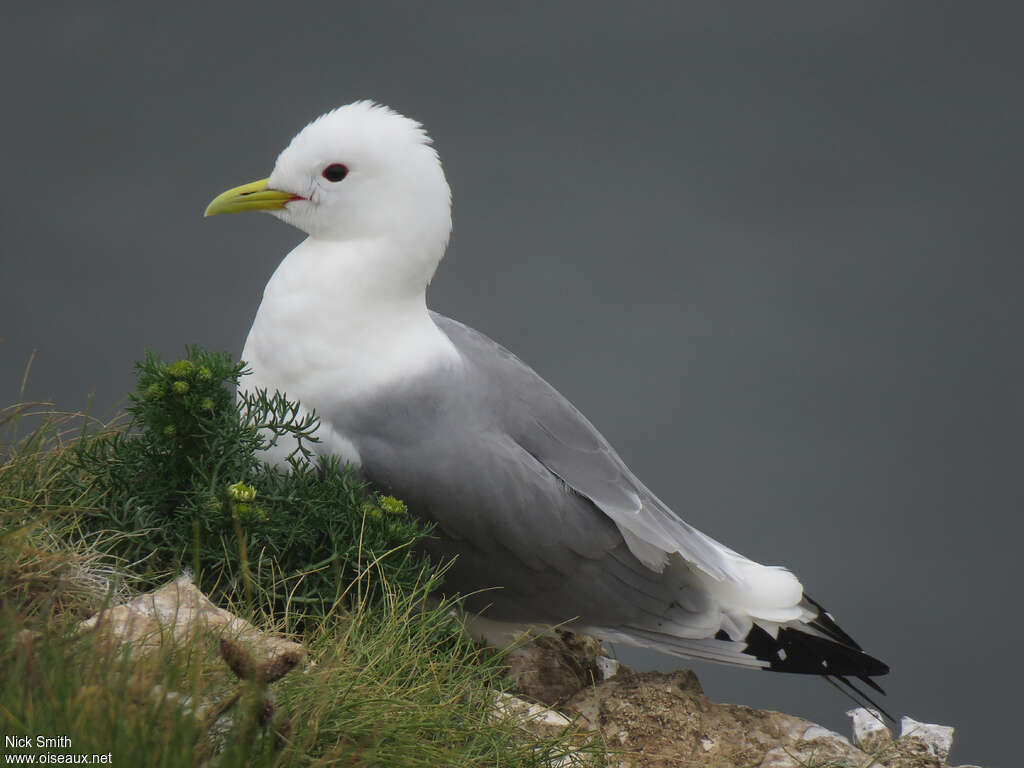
187, 474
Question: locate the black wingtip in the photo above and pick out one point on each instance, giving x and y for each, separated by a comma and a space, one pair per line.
869, 682
801, 653
823, 649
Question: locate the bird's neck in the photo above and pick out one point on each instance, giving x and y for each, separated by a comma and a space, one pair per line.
343, 319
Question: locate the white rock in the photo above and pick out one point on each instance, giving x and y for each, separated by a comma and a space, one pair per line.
868, 727
508, 705
937, 739
607, 667
820, 733
178, 611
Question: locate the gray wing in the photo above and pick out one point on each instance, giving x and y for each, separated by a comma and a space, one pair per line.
554, 433
543, 553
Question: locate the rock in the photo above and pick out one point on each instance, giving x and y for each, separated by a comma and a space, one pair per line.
936, 740
553, 667
178, 612
662, 720
655, 720
539, 719
608, 667
870, 732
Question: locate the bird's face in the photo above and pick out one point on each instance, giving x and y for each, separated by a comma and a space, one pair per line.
360, 172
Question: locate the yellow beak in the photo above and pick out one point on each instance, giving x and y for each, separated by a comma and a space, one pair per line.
254, 196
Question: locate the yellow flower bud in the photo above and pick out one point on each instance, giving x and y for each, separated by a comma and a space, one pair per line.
181, 369
241, 492
392, 506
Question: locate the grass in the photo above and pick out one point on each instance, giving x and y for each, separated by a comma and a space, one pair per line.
90, 514
393, 686
47, 563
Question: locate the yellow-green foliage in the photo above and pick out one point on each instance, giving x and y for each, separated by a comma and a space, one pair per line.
188, 476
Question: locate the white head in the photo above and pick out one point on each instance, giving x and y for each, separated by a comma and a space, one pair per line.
361, 172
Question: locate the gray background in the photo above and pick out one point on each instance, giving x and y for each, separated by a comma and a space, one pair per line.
771, 249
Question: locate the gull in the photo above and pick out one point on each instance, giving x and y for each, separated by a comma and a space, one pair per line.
546, 524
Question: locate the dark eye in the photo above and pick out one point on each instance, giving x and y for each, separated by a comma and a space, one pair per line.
335, 172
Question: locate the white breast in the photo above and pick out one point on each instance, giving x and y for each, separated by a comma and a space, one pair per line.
332, 329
